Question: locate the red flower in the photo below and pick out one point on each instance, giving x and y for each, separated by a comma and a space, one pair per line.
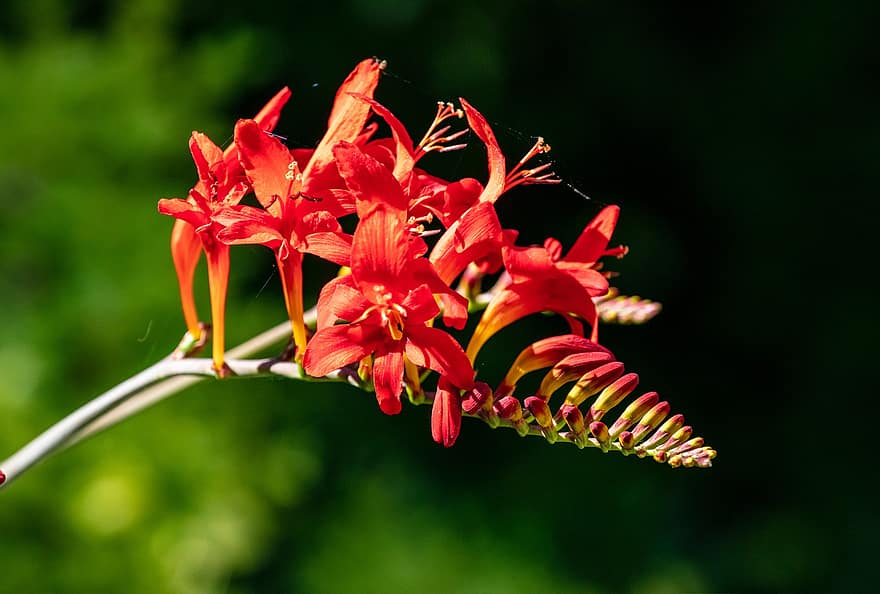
221, 178
389, 302
290, 226
542, 280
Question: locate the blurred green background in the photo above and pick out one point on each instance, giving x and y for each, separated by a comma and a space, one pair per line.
740, 141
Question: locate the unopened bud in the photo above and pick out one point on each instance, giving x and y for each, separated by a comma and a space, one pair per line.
650, 420
688, 445
477, 398
626, 441
678, 437
508, 408
675, 461
613, 394
600, 432
574, 418
594, 381
661, 457
572, 368
662, 434
2, 477
540, 411
635, 410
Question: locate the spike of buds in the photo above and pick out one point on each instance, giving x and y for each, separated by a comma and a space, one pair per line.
634, 411
613, 395
594, 381
650, 420
600, 432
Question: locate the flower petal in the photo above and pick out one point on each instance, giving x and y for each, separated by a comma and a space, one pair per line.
446, 415
184, 210
268, 165
379, 253
594, 238
495, 185
349, 114
371, 182
335, 347
437, 350
248, 225
403, 144
388, 380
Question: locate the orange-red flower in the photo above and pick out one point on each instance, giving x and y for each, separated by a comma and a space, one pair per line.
389, 303
290, 225
543, 280
221, 178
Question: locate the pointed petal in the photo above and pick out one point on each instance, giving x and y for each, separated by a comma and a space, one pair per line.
371, 182
379, 252
335, 347
403, 144
446, 415
388, 380
476, 234
335, 247
267, 118
455, 306
349, 114
207, 157
495, 185
248, 225
268, 165
437, 350
339, 299
595, 237
183, 210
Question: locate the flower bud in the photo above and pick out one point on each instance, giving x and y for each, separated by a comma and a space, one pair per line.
613, 394
671, 425
626, 441
696, 442
446, 414
600, 432
2, 477
678, 437
477, 398
572, 368
594, 381
650, 420
634, 411
539, 409
509, 409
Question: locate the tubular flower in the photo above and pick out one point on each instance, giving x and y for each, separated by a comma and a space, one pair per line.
185, 244
290, 225
389, 306
219, 185
542, 280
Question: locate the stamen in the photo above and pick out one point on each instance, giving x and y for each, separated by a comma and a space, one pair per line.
436, 138
520, 176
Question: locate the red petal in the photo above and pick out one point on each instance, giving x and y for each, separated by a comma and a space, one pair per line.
266, 162
446, 415
525, 264
248, 225
183, 210
455, 306
388, 380
335, 247
335, 347
403, 158
495, 185
348, 304
475, 235
207, 157
595, 237
437, 350
371, 182
379, 252
349, 115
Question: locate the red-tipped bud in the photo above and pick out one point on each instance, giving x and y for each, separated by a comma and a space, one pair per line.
696, 442
675, 461
2, 477
508, 408
574, 418
678, 437
626, 441
572, 368
671, 425
446, 414
661, 457
634, 411
613, 394
594, 381
547, 352
540, 411
477, 398
650, 420
600, 432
